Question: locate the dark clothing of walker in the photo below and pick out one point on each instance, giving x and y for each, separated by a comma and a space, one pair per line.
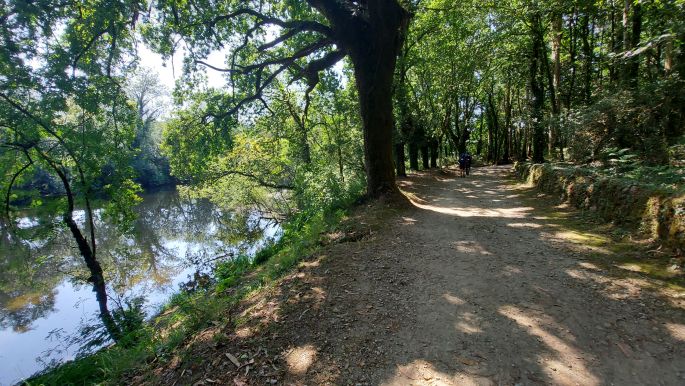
464, 164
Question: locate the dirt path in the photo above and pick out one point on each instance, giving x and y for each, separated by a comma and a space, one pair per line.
470, 287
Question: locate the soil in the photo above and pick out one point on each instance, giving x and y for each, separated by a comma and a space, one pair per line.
472, 286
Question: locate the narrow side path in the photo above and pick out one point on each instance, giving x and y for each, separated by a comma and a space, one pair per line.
470, 287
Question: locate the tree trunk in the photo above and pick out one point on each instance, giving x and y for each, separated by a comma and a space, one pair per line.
413, 155
626, 22
399, 160
614, 44
479, 144
555, 80
506, 158
573, 51
424, 156
668, 57
373, 49
537, 91
88, 254
434, 149
587, 56
633, 67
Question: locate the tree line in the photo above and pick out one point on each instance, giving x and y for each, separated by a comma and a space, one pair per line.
543, 80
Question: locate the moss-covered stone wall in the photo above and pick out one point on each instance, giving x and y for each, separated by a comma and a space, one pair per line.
654, 213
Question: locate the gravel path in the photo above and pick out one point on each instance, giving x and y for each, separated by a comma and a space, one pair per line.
470, 287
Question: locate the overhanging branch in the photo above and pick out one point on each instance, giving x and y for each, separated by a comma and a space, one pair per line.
254, 178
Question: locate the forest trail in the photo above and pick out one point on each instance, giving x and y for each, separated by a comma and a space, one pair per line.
471, 287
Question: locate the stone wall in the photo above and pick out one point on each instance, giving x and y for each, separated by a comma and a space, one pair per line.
653, 213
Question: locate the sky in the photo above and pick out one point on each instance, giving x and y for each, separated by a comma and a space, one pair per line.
171, 69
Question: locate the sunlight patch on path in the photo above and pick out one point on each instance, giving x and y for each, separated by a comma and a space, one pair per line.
300, 359
676, 330
421, 372
476, 212
567, 367
524, 225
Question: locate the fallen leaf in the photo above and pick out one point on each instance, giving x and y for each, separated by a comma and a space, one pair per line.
233, 359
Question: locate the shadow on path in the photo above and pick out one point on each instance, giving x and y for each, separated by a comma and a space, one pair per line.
471, 286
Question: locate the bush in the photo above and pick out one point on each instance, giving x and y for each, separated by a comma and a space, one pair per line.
645, 121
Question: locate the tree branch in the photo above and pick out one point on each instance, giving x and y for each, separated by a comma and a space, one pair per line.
12, 180
254, 178
301, 25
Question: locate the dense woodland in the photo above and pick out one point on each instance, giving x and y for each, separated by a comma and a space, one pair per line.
324, 101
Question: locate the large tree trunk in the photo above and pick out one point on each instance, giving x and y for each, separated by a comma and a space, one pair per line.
373, 48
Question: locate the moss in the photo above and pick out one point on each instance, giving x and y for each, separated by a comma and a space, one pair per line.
653, 210
613, 247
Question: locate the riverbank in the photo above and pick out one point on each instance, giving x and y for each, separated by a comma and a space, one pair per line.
481, 282
206, 300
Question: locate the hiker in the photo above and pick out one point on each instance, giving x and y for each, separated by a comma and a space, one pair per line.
468, 163
462, 165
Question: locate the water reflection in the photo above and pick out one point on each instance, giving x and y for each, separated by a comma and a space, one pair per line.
43, 288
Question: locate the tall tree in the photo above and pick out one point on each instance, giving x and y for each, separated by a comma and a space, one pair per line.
267, 39
62, 108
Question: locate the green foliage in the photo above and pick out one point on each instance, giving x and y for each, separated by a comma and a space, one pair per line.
637, 121
229, 273
62, 109
268, 251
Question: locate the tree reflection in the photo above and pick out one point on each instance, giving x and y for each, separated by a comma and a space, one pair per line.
28, 274
170, 235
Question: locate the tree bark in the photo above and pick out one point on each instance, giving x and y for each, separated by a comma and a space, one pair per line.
373, 48
537, 91
555, 80
97, 277
399, 160
506, 158
587, 56
413, 156
424, 156
633, 66
434, 149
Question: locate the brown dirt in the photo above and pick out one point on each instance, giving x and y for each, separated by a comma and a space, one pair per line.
471, 286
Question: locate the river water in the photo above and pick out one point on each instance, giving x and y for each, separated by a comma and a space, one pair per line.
44, 299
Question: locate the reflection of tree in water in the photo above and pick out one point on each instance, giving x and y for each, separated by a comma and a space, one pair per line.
170, 234
28, 275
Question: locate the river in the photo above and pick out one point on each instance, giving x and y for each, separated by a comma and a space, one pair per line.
45, 300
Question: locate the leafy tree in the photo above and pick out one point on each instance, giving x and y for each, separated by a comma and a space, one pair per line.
150, 97
62, 108
299, 39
